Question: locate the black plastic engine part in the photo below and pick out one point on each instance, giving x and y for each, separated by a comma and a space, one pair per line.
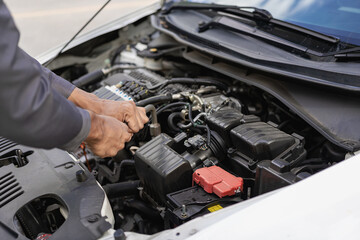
113, 176
16, 157
193, 202
49, 174
42, 215
268, 179
121, 86
259, 141
161, 169
195, 142
217, 145
225, 119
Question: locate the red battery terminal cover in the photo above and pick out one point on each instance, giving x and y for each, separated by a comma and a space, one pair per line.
216, 180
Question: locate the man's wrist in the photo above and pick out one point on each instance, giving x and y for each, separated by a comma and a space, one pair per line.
96, 129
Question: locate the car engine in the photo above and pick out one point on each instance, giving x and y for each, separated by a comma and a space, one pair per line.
211, 142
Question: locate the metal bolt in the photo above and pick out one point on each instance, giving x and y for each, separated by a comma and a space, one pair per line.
183, 211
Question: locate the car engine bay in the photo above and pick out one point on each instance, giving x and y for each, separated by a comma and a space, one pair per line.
211, 142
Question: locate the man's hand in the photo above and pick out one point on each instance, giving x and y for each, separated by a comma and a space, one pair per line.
107, 135
124, 111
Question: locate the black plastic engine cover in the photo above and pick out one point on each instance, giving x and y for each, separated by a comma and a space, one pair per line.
161, 169
50, 173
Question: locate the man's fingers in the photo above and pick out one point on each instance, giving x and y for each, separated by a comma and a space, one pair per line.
137, 121
142, 113
133, 125
126, 111
128, 137
140, 122
126, 134
114, 135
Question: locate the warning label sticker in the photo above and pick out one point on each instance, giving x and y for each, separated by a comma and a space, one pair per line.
215, 208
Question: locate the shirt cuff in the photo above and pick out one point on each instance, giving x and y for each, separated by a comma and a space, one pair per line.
74, 144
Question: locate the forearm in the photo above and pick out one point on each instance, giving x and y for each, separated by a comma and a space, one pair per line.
86, 100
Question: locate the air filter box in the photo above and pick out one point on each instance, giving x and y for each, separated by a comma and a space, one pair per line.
161, 169
261, 141
227, 118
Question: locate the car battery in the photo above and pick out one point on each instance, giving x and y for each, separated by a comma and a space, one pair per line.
216, 180
193, 202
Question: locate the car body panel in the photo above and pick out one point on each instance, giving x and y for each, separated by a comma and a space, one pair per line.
106, 28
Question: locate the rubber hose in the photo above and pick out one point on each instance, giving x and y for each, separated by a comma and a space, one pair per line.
121, 189
143, 208
175, 104
154, 100
197, 81
140, 222
89, 78
170, 121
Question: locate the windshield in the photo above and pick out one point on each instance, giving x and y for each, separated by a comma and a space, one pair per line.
338, 18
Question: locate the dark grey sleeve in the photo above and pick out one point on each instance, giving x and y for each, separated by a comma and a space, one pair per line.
31, 111
62, 86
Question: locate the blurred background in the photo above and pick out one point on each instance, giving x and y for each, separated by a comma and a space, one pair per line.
44, 24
